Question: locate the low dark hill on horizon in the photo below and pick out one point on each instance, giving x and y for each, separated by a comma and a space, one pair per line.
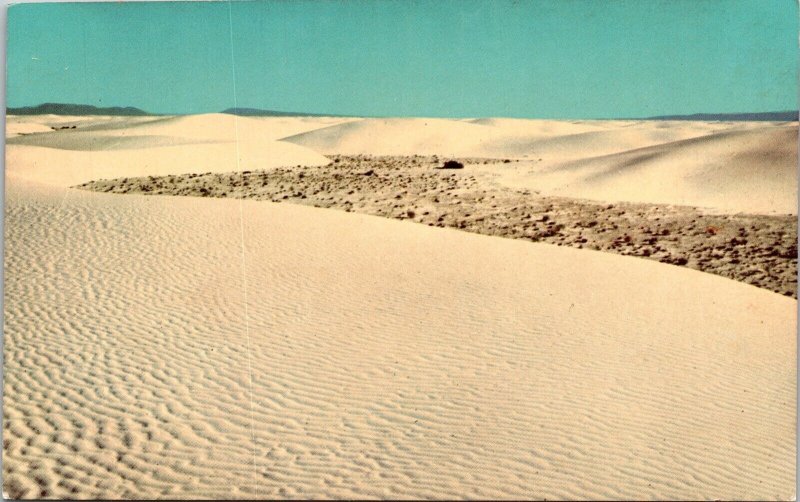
75, 109
785, 116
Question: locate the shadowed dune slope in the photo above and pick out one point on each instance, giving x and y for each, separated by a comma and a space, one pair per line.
83, 122
614, 138
92, 141
753, 170
225, 127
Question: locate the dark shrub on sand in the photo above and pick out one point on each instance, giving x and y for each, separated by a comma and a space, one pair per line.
453, 164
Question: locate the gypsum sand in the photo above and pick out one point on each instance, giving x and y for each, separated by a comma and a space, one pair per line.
755, 249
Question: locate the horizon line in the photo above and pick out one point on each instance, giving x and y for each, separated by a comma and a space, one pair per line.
267, 111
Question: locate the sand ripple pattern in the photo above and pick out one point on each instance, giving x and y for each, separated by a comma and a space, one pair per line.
389, 360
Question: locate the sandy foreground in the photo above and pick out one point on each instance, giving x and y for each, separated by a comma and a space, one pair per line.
184, 347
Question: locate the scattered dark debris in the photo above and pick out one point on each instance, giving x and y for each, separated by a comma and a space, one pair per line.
755, 249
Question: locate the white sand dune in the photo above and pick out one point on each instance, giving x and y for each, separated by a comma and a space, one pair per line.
158, 146
388, 360
616, 138
168, 347
725, 166
15, 129
515, 138
73, 167
91, 141
82, 121
752, 170
397, 136
20, 125
141, 132
217, 127
542, 128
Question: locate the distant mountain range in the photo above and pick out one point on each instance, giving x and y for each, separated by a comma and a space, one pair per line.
71, 109
75, 109
787, 116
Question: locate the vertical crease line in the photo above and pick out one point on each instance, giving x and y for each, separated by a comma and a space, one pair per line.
241, 229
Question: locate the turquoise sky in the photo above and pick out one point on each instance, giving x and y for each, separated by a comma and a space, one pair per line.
462, 58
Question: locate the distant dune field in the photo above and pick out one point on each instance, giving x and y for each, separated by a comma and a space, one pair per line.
185, 347
734, 166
